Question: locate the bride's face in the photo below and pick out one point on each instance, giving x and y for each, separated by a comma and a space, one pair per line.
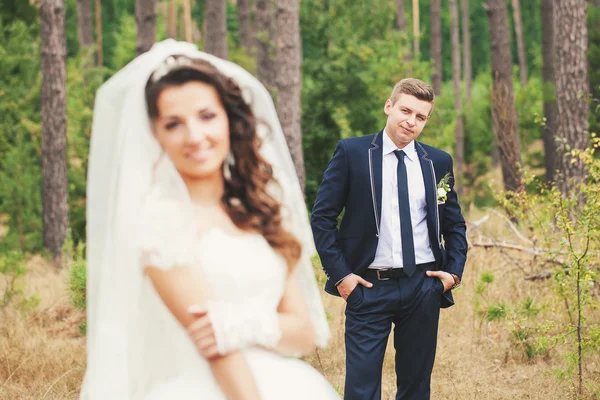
193, 129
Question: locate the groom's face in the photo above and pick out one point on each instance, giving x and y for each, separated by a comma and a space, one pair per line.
406, 118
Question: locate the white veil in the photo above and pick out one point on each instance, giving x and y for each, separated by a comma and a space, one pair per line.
123, 154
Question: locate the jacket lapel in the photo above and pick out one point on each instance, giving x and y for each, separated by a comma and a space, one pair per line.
375, 175
430, 181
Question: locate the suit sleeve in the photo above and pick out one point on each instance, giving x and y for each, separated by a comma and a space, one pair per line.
331, 200
454, 231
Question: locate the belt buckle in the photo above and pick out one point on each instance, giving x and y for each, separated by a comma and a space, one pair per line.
379, 275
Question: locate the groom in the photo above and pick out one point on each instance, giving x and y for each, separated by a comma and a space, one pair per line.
387, 259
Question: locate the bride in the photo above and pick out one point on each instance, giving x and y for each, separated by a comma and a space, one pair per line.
200, 284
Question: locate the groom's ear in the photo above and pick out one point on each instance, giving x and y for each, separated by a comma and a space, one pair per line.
387, 107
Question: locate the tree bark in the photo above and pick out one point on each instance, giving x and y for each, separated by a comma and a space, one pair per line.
459, 152
436, 45
215, 41
549, 90
243, 9
145, 19
264, 47
520, 41
55, 206
187, 21
467, 59
172, 19
503, 103
85, 25
416, 27
99, 49
571, 71
289, 80
400, 16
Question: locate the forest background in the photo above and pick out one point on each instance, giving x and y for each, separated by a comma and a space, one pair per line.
518, 89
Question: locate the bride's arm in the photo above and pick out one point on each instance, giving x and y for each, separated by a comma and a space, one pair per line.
286, 330
297, 335
179, 288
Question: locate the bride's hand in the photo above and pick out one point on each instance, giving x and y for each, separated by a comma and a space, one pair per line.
202, 333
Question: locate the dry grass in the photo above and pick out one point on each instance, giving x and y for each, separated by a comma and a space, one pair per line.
42, 355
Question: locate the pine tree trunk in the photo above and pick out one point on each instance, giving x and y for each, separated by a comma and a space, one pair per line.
172, 19
436, 45
55, 212
550, 110
187, 21
245, 26
400, 16
467, 59
459, 153
289, 80
215, 41
520, 41
99, 49
265, 57
416, 27
85, 25
503, 102
571, 71
145, 19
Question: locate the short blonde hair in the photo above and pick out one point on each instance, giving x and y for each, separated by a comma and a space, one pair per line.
414, 87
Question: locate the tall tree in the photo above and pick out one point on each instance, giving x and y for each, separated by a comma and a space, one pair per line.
264, 46
520, 41
187, 21
85, 25
172, 12
400, 16
550, 110
215, 41
503, 100
459, 153
145, 19
467, 60
436, 45
416, 27
289, 80
571, 71
99, 48
243, 9
55, 207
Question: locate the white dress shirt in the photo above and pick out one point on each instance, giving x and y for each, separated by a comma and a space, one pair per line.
389, 248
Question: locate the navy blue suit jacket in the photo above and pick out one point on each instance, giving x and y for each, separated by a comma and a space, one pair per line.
352, 183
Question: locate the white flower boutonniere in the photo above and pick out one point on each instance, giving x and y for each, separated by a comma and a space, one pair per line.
443, 188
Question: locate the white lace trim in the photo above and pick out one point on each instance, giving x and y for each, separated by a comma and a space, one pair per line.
167, 233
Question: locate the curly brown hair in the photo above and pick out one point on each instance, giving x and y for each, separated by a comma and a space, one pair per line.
246, 197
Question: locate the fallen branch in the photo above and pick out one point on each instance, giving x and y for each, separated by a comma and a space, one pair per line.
512, 226
542, 275
512, 246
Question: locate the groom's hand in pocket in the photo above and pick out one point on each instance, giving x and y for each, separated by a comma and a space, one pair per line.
350, 283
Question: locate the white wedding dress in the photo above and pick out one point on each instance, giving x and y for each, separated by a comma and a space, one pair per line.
240, 269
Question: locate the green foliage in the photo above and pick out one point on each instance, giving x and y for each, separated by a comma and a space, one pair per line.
75, 254
12, 270
20, 135
570, 234
496, 311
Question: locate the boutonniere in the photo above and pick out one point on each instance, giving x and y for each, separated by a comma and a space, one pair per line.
443, 188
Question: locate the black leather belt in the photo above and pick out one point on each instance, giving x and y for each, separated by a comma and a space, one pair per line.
393, 273
385, 274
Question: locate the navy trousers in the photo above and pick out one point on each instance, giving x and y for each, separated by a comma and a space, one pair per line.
412, 304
